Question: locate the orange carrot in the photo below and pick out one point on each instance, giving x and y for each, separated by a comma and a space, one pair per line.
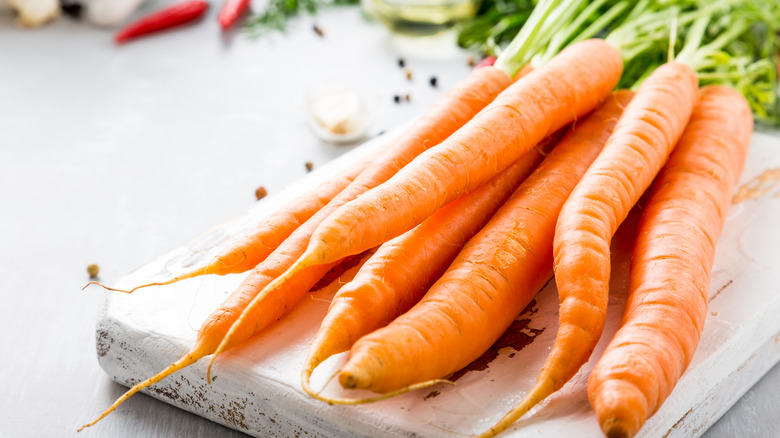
535, 106
400, 272
671, 264
453, 110
492, 279
269, 303
642, 141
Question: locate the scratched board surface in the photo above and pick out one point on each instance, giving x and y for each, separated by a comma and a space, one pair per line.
256, 387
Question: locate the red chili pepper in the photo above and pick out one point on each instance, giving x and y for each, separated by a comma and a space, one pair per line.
487, 61
166, 18
231, 11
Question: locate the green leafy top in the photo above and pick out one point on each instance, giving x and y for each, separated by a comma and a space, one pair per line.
731, 42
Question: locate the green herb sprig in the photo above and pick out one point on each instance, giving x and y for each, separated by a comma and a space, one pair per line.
279, 12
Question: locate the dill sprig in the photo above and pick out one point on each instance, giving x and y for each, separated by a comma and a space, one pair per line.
279, 12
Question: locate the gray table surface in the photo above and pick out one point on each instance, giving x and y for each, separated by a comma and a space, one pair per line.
115, 155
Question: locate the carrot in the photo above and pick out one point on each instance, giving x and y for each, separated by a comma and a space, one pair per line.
248, 250
267, 304
292, 282
454, 109
533, 107
492, 279
671, 264
400, 272
640, 144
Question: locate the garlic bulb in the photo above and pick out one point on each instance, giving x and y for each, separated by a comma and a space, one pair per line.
35, 13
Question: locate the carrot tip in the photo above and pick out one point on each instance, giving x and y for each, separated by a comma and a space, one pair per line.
361, 401
109, 288
208, 369
89, 424
615, 428
349, 382
539, 392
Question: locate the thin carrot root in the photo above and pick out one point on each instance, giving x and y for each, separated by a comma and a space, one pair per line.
190, 274
539, 392
306, 383
313, 362
361, 401
184, 362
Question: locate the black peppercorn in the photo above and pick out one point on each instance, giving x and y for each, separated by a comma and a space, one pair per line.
71, 8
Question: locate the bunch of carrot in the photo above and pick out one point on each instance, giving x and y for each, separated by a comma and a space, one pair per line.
462, 226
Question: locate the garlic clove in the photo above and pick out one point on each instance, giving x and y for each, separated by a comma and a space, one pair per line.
109, 13
337, 113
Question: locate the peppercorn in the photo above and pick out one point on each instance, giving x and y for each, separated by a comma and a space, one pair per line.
433, 81
260, 193
71, 8
401, 63
397, 99
93, 270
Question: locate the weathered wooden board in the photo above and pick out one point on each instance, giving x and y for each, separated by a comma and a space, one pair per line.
257, 385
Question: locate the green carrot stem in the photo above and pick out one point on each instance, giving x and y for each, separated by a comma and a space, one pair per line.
602, 22
517, 54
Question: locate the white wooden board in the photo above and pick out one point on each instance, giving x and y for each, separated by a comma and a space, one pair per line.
257, 386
